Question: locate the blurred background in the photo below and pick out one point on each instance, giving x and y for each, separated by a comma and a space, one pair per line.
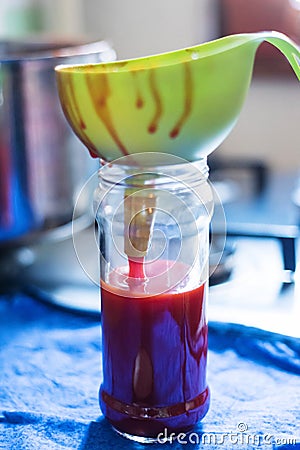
268, 126
256, 171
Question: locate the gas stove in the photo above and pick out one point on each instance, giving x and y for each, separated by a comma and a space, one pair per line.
257, 282
261, 288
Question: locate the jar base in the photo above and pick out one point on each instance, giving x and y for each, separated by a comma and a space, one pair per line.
161, 438
135, 438
132, 423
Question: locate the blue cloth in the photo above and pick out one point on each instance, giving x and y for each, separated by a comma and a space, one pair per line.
50, 372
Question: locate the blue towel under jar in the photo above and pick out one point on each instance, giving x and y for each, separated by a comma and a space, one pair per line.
50, 362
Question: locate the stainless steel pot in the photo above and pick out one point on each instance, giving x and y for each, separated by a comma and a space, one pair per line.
42, 164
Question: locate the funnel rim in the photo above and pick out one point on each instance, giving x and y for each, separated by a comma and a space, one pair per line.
167, 59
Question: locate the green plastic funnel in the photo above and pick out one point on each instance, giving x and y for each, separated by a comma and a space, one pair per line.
183, 103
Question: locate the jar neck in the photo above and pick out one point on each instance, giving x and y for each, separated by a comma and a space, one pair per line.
166, 176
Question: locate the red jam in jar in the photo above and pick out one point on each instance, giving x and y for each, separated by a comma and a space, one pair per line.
154, 352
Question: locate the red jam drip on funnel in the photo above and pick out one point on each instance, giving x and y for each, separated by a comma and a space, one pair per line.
157, 101
72, 112
139, 103
188, 102
100, 91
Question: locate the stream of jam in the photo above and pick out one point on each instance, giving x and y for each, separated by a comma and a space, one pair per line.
136, 268
154, 352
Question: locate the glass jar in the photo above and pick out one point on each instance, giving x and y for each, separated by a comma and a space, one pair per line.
153, 216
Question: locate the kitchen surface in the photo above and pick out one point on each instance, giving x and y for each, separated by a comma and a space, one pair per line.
50, 321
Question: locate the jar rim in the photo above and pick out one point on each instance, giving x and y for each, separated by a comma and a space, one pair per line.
153, 169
